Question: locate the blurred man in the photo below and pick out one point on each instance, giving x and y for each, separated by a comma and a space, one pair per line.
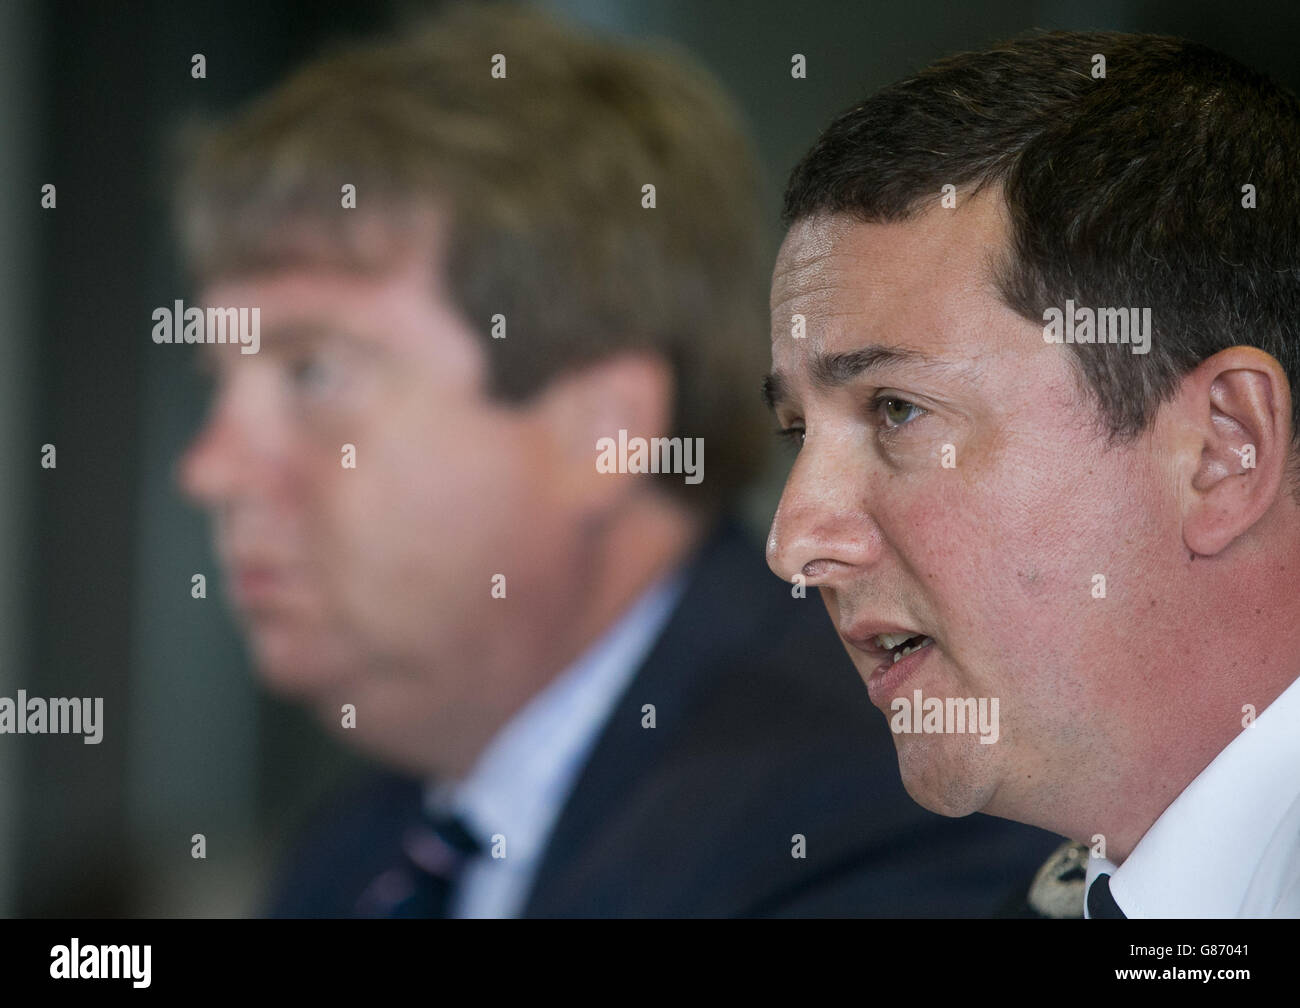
492, 262
1047, 410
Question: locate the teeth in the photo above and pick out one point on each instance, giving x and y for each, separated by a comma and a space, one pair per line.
892, 640
916, 647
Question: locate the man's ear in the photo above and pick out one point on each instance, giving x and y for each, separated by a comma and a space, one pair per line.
1235, 410
630, 391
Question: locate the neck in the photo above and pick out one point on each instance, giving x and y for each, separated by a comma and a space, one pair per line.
609, 567
1233, 650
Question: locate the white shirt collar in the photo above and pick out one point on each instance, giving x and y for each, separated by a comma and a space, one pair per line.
520, 783
1200, 857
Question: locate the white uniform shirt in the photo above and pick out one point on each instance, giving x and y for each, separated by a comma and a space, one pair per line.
1229, 845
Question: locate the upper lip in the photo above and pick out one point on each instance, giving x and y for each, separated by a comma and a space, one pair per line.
248, 557
244, 565
862, 635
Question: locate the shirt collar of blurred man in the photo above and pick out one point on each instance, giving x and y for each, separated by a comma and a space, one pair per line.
510, 799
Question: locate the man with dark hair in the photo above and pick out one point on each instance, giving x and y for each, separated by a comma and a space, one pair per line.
1048, 297
507, 281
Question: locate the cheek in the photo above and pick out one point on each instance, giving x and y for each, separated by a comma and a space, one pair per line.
408, 499
428, 516
1034, 572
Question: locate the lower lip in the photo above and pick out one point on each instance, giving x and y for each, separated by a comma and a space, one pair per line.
886, 680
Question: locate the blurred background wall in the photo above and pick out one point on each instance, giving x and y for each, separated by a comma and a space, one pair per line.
96, 555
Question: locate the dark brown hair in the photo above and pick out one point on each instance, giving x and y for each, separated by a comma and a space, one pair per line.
1125, 191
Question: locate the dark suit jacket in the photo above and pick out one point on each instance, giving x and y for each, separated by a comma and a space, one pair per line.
763, 731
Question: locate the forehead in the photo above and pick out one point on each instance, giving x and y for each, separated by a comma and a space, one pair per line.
312, 291
404, 309
925, 284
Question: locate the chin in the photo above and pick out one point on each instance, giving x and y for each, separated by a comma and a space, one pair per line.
940, 778
296, 669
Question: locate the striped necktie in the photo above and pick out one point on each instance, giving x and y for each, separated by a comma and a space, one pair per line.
434, 852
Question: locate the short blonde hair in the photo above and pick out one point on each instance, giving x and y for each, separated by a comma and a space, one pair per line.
542, 173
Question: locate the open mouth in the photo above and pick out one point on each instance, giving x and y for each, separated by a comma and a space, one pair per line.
900, 645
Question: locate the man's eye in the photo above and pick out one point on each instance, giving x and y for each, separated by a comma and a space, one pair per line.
896, 412
791, 436
312, 375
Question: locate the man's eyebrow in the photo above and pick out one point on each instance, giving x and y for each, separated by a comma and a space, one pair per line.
294, 333
285, 337
831, 371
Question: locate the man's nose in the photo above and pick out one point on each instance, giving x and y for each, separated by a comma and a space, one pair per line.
224, 454
823, 529
206, 470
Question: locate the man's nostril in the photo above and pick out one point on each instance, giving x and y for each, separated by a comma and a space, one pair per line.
814, 568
